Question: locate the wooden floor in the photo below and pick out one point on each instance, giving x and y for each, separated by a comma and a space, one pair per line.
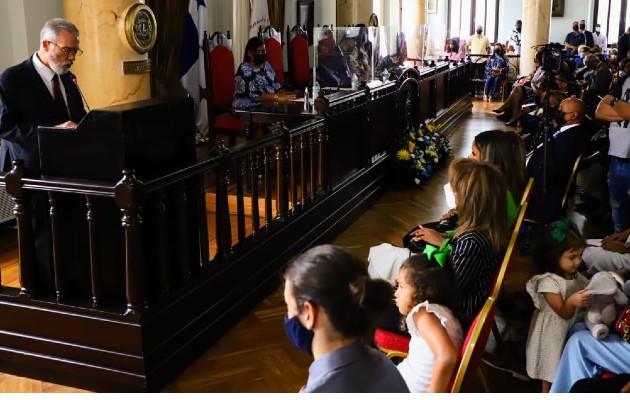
256, 356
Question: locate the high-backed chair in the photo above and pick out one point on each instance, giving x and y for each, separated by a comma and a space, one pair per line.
219, 64
472, 351
298, 57
570, 182
273, 45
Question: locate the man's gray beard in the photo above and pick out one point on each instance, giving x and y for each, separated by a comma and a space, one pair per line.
57, 67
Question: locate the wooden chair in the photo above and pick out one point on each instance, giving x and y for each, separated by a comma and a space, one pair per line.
527, 193
273, 45
219, 65
570, 182
472, 351
298, 57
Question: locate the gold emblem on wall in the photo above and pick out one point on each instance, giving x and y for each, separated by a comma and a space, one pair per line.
140, 28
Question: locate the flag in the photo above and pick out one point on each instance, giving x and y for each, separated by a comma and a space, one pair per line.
259, 17
192, 73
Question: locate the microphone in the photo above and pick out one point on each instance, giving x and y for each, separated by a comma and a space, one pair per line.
74, 79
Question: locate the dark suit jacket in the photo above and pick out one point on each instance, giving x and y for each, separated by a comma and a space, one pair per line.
562, 152
25, 104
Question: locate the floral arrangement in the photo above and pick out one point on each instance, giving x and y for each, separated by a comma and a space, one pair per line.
421, 151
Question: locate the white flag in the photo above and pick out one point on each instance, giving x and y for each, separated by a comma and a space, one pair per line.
192, 73
260, 17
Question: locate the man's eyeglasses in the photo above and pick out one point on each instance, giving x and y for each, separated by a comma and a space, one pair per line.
68, 50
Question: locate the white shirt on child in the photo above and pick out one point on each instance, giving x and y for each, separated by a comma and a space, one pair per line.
417, 368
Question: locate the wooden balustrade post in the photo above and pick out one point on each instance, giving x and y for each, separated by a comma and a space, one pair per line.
303, 188
57, 264
254, 168
224, 229
267, 182
282, 201
322, 182
128, 195
161, 212
26, 242
240, 198
292, 180
204, 247
95, 259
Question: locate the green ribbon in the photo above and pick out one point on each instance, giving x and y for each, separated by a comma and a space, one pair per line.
438, 254
560, 229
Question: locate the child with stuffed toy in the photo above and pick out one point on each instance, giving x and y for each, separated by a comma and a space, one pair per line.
557, 292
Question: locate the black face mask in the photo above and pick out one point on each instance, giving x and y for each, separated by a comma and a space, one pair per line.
575, 28
497, 51
479, 31
260, 58
558, 116
582, 26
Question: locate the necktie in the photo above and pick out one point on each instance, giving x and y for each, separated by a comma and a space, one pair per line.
59, 101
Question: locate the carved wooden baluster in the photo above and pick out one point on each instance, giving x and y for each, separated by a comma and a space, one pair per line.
255, 169
95, 259
240, 199
58, 271
282, 202
292, 180
322, 184
311, 183
267, 182
183, 238
202, 218
303, 190
26, 243
224, 230
160, 212
128, 197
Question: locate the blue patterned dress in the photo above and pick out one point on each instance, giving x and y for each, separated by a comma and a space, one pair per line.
250, 83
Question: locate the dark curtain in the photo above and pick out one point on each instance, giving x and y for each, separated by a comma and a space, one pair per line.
276, 15
167, 53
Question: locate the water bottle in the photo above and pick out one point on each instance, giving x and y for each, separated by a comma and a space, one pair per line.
315, 90
354, 82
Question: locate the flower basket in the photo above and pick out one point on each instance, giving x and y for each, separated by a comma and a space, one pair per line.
419, 153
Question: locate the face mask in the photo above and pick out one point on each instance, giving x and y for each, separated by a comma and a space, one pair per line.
260, 59
497, 51
582, 26
598, 30
622, 74
299, 336
575, 28
558, 116
479, 31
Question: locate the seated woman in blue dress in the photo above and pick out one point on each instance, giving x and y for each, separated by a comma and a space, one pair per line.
496, 70
255, 80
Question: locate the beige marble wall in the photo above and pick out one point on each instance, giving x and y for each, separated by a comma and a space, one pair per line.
99, 70
414, 14
536, 22
350, 12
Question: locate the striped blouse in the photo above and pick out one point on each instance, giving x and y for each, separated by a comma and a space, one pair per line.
475, 264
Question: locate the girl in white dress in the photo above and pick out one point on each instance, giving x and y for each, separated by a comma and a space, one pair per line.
426, 294
557, 295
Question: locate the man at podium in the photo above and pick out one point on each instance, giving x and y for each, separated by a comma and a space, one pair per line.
40, 92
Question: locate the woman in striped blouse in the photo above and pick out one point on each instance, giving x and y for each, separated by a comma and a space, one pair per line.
481, 235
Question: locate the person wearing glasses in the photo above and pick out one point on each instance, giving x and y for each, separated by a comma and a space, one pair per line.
40, 92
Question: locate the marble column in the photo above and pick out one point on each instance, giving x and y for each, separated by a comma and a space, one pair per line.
414, 15
536, 23
352, 12
99, 70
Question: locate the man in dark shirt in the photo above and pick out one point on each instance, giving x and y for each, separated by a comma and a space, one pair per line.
623, 44
574, 39
588, 35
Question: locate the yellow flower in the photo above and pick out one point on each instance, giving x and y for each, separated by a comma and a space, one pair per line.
412, 147
403, 155
412, 136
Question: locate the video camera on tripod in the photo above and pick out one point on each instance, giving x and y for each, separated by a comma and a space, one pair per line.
552, 57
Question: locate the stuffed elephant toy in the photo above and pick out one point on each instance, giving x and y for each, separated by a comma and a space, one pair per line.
606, 290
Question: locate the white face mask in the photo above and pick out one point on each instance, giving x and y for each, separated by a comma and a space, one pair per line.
597, 30
622, 74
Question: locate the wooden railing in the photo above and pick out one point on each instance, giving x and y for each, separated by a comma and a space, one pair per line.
141, 284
